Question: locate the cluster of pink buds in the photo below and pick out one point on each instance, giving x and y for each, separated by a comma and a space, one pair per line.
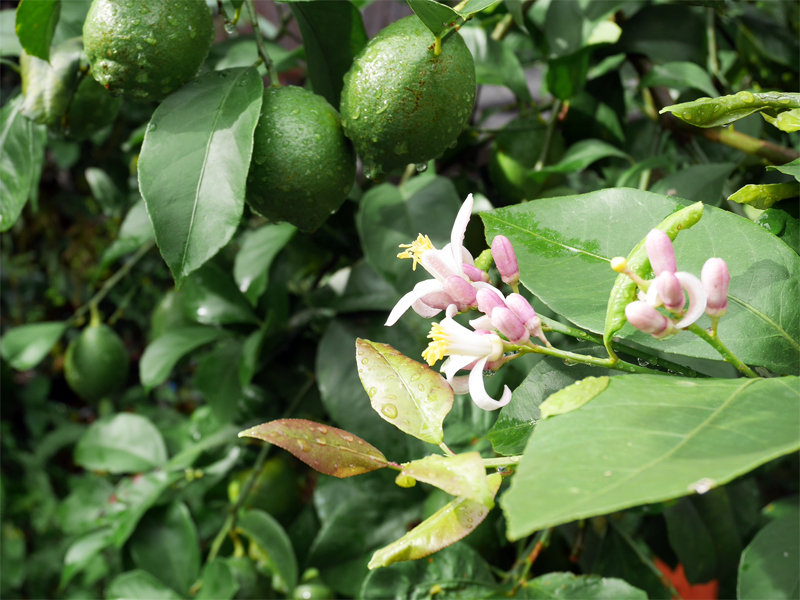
708, 294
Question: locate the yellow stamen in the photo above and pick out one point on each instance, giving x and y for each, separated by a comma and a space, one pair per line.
416, 249
436, 349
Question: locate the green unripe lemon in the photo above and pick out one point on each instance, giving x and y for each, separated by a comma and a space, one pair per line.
402, 104
96, 363
303, 167
146, 49
92, 108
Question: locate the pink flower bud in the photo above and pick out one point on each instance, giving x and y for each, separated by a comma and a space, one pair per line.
509, 325
522, 308
438, 300
475, 274
660, 252
461, 291
488, 300
716, 278
647, 319
670, 291
505, 259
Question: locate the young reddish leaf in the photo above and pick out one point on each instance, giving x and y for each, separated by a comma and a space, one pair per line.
329, 450
408, 394
454, 521
463, 475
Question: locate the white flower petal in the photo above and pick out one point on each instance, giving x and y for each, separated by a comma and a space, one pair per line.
423, 310
423, 288
652, 297
697, 298
459, 229
455, 364
478, 392
440, 264
484, 322
460, 384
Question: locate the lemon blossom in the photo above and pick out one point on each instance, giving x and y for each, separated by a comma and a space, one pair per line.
466, 349
431, 296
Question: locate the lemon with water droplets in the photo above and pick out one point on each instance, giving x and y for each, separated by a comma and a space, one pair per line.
146, 49
403, 104
303, 167
96, 363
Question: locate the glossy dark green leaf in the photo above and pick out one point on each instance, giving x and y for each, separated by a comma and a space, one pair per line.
563, 27
564, 256
792, 168
713, 112
162, 354
133, 497
333, 34
125, 443
25, 346
781, 224
566, 75
104, 190
139, 585
406, 393
36, 24
270, 537
772, 41
495, 62
581, 155
765, 195
21, 155
436, 16
259, 249
698, 183
219, 582
624, 448
194, 162
474, 6
327, 449
217, 379
82, 510
136, 230
460, 571
769, 564
680, 75
83, 550
210, 297
48, 86
568, 586
165, 544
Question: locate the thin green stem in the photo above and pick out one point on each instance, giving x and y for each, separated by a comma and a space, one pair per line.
717, 344
10, 64
112, 281
502, 461
262, 49
548, 135
542, 542
573, 358
446, 450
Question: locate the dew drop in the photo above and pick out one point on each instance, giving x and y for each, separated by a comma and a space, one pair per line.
415, 377
390, 410
421, 387
422, 167
322, 429
321, 441
230, 29
347, 438
304, 446
372, 391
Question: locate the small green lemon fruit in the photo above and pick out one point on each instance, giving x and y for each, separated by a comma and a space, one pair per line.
403, 104
92, 108
96, 363
303, 167
146, 49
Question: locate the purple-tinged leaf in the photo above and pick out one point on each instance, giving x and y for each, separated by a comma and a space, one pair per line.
410, 395
463, 475
329, 450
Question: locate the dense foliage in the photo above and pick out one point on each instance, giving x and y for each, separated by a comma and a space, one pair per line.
211, 376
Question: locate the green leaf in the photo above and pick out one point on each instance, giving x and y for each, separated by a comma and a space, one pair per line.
9, 42
333, 34
219, 582
194, 162
792, 168
713, 112
573, 396
463, 475
665, 33
125, 443
134, 496
21, 156
788, 121
698, 183
582, 154
769, 564
624, 448
454, 521
84, 508
680, 75
436, 16
25, 346
496, 63
475, 6
36, 24
568, 586
566, 75
135, 231
409, 395
329, 450
48, 86
12, 557
781, 224
217, 379
104, 190
165, 544
83, 550
270, 537
764, 196
163, 353
259, 249
563, 28
211, 297
461, 569
139, 585
564, 260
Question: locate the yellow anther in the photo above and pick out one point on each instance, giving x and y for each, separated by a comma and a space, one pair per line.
438, 347
416, 249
